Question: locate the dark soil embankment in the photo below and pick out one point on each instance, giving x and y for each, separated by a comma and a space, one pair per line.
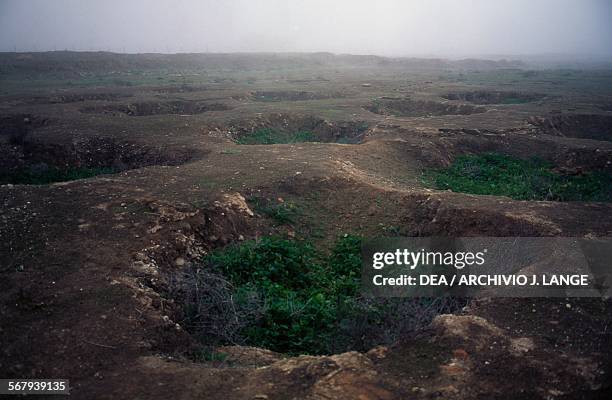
494, 97
406, 107
34, 162
581, 126
291, 95
181, 107
308, 128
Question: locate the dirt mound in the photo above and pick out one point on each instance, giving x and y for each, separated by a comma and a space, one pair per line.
182, 107
322, 130
406, 107
494, 97
581, 126
289, 95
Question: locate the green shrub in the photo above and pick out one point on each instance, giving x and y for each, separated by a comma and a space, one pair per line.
286, 296
281, 213
533, 179
302, 293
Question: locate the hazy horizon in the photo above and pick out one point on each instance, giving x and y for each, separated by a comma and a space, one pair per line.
437, 28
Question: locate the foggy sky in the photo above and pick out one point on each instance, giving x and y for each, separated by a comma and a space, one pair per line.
385, 27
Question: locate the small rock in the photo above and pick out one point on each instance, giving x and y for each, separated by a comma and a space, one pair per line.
521, 345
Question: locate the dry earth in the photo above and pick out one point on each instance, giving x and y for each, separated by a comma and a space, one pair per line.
84, 264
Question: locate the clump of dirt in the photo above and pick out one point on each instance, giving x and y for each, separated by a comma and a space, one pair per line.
407, 107
37, 162
581, 126
291, 95
321, 130
182, 107
495, 97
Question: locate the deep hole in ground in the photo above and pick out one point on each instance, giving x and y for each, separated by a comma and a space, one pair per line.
520, 179
290, 128
181, 107
291, 95
73, 98
494, 97
407, 107
35, 162
289, 297
15, 128
582, 126
567, 157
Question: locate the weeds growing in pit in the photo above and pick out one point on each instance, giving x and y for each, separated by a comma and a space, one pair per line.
286, 296
281, 213
34, 176
271, 136
533, 179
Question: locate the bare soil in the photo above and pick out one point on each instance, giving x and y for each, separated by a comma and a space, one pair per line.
86, 265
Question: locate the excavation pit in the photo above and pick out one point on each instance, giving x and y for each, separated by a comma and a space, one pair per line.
288, 128
74, 98
288, 95
277, 294
32, 162
179, 107
483, 97
406, 107
580, 126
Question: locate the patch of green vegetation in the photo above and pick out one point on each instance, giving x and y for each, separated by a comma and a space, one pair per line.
282, 213
231, 151
32, 176
207, 354
305, 296
533, 179
271, 136
289, 297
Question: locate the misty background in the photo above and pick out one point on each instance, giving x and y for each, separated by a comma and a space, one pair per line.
437, 28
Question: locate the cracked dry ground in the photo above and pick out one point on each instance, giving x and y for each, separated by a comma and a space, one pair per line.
84, 265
